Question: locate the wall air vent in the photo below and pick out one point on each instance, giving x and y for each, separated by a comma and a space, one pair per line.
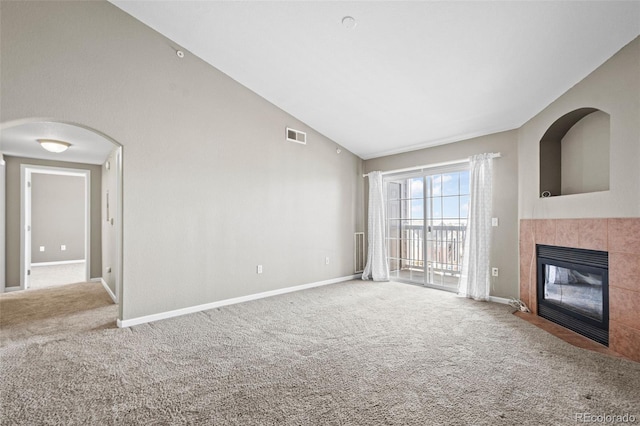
296, 136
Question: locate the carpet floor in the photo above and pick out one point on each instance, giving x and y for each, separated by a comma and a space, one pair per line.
354, 353
55, 275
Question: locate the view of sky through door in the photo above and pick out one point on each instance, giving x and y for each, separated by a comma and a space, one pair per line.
426, 225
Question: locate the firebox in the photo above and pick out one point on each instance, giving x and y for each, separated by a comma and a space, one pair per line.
573, 289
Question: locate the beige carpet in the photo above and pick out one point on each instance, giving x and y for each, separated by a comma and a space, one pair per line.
54, 313
356, 353
55, 275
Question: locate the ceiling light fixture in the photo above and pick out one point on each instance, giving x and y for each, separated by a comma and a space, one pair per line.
349, 22
53, 145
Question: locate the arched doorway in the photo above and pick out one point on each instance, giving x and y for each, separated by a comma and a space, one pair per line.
88, 150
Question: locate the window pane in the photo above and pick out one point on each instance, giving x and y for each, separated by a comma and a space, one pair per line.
450, 207
434, 208
417, 209
417, 188
464, 182
450, 183
393, 191
393, 247
464, 207
393, 209
433, 185
394, 229
413, 229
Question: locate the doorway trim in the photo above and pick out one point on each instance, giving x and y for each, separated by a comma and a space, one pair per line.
26, 170
119, 198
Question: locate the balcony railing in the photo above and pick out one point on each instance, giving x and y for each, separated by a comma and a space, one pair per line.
444, 249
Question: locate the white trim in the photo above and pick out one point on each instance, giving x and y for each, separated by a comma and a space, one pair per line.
233, 301
3, 202
26, 170
499, 300
106, 287
12, 288
25, 251
117, 272
61, 262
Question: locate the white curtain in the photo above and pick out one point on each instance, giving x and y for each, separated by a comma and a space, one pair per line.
377, 267
475, 279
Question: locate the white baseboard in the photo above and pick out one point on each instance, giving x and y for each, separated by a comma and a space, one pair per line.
499, 300
106, 287
12, 288
233, 301
61, 262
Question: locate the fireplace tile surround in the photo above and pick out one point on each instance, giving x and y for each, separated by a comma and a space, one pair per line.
619, 237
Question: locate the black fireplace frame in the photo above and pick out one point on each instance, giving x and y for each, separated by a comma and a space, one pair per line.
591, 261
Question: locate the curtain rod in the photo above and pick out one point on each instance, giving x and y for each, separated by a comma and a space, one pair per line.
431, 166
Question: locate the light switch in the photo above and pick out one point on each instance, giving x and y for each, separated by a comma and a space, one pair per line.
41, 248
63, 247
494, 221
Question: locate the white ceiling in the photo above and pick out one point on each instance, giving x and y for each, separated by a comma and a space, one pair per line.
86, 146
410, 74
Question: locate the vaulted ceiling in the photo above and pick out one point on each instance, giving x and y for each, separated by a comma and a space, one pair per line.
408, 75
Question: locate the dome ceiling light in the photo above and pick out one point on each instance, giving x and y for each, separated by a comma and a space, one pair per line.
53, 145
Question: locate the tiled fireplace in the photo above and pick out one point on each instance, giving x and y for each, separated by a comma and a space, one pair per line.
621, 239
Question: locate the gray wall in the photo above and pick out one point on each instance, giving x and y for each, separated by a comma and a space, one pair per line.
504, 252
57, 217
13, 214
585, 155
613, 88
211, 189
108, 220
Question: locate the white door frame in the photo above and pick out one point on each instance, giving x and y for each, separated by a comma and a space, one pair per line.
3, 225
118, 258
26, 170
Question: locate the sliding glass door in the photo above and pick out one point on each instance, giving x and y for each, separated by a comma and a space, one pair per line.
426, 225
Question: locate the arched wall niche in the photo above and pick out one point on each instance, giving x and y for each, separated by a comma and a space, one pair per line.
574, 154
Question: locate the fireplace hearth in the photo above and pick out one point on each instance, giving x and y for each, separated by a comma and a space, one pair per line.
572, 289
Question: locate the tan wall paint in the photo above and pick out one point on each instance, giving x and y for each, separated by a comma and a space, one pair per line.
210, 187
585, 155
504, 252
13, 214
613, 88
57, 217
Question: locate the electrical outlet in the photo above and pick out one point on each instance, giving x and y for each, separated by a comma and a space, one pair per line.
494, 272
63, 247
41, 248
494, 221
326, 260
259, 269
